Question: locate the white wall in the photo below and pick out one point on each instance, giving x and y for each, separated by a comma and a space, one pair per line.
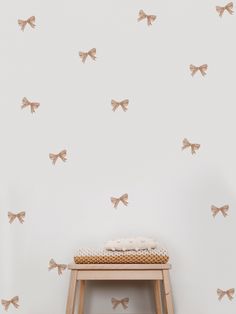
138, 152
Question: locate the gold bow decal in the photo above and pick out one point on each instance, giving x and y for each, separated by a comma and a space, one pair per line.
91, 53
215, 210
124, 104
124, 302
20, 216
187, 144
222, 293
143, 15
60, 267
33, 105
30, 21
123, 199
202, 69
228, 7
14, 301
61, 155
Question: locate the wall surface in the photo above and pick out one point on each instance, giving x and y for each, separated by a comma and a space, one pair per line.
138, 152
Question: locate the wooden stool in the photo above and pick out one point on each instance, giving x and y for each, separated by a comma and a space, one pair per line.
158, 273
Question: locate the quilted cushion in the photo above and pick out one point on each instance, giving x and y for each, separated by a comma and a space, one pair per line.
139, 243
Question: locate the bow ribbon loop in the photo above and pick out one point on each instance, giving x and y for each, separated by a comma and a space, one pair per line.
124, 302
20, 216
202, 69
60, 267
124, 104
187, 144
91, 53
30, 21
123, 199
61, 155
26, 103
14, 301
228, 7
222, 293
215, 210
143, 15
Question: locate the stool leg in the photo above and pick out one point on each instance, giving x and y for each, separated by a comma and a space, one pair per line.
167, 291
71, 293
81, 296
157, 294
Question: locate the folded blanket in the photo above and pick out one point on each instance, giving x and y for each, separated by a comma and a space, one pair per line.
102, 256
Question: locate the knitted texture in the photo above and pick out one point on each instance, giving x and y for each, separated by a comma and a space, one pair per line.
101, 256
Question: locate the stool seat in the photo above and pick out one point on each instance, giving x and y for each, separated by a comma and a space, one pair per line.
157, 273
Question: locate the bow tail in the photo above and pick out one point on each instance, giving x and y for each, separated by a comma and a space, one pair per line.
92, 55
12, 218
125, 306
124, 107
149, 20
115, 106
114, 305
63, 158
54, 159
230, 10
32, 108
16, 305
116, 203
7, 306
21, 220
194, 71
193, 151
220, 10
32, 24
84, 57
214, 212
141, 17
224, 213
203, 72
22, 25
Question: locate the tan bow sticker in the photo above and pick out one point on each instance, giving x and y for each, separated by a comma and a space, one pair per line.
124, 302
187, 144
60, 267
123, 199
124, 104
202, 69
228, 7
20, 216
14, 301
33, 105
61, 155
30, 21
222, 293
91, 53
143, 15
215, 210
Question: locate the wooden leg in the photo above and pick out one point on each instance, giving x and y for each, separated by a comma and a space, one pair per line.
157, 294
164, 303
81, 296
70, 307
167, 291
